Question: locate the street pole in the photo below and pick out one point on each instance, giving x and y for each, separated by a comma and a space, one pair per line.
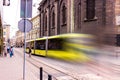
46, 45
24, 62
25, 25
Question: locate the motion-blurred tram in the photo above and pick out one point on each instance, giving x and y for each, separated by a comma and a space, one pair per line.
72, 46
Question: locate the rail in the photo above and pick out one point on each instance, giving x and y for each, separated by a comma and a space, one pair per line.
38, 64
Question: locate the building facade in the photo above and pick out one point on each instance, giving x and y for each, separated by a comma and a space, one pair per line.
95, 17
19, 39
34, 33
6, 34
13, 41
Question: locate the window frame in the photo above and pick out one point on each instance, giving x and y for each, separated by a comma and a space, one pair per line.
90, 11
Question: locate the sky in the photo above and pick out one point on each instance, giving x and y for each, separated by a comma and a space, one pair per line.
11, 14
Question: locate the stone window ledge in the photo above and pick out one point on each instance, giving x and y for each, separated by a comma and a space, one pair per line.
89, 20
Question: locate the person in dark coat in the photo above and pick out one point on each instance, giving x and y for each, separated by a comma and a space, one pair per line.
4, 53
11, 51
30, 51
8, 49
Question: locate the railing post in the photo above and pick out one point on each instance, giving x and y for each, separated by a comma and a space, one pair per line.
49, 77
41, 73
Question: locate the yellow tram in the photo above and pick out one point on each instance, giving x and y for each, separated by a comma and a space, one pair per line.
70, 46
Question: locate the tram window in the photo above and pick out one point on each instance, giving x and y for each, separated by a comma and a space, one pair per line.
54, 44
40, 45
27, 45
32, 45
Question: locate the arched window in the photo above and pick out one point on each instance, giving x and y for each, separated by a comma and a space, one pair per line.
64, 13
45, 23
90, 9
79, 15
53, 19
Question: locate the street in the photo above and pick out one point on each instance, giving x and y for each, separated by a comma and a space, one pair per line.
60, 40
101, 68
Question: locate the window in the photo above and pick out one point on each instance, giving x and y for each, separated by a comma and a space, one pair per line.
90, 9
40, 44
45, 23
63, 13
53, 19
6, 2
54, 44
79, 15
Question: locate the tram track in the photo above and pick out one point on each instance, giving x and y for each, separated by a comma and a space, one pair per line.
55, 72
103, 70
58, 72
50, 70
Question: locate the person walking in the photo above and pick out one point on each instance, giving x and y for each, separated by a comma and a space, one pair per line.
11, 51
5, 53
8, 49
30, 51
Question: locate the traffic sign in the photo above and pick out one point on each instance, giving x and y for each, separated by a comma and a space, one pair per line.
24, 25
26, 9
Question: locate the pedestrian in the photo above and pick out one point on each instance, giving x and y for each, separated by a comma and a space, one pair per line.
29, 51
11, 51
8, 49
4, 51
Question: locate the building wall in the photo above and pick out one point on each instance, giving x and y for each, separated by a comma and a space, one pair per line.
117, 15
13, 41
117, 20
103, 23
68, 16
51, 20
84, 25
6, 34
110, 28
19, 39
34, 33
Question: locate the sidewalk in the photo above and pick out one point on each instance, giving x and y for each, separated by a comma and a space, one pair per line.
12, 68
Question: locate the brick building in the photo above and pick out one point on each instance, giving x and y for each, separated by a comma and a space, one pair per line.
78, 16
